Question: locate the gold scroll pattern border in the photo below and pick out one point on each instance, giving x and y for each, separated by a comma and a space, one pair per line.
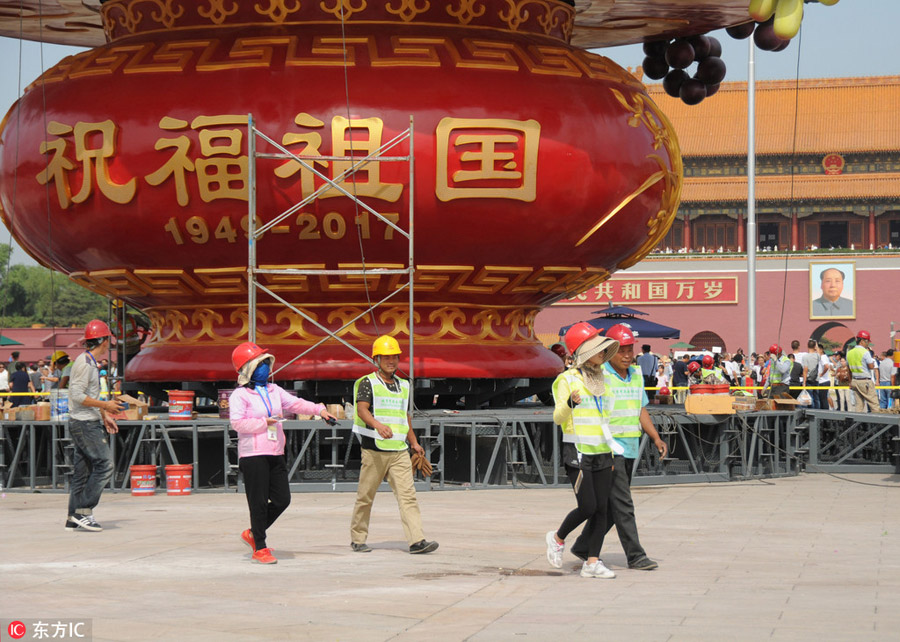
213, 54
644, 112
124, 18
435, 323
543, 284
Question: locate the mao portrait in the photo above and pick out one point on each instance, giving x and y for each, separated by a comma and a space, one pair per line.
832, 288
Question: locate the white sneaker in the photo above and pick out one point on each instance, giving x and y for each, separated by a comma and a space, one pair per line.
554, 550
597, 569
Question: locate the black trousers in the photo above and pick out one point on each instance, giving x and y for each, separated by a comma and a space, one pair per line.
592, 497
620, 512
268, 492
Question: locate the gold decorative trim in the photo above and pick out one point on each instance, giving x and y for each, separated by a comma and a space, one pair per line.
262, 52
408, 9
549, 18
217, 13
343, 9
147, 286
278, 10
467, 11
644, 112
445, 324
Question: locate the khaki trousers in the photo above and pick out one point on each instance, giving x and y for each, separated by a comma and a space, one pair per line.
398, 468
865, 395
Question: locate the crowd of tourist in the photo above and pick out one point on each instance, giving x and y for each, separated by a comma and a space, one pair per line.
27, 383
818, 377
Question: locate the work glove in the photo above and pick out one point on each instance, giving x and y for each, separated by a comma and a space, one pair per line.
421, 463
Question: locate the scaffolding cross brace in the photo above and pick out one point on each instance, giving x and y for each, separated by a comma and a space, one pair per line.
308, 162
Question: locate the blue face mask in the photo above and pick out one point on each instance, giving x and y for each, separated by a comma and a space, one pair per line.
260, 376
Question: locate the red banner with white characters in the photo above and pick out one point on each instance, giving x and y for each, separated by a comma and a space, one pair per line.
659, 291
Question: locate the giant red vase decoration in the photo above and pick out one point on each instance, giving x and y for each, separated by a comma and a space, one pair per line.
540, 169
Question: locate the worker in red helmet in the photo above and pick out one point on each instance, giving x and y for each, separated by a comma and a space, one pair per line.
89, 424
256, 409
779, 370
693, 370
709, 372
582, 411
861, 364
629, 419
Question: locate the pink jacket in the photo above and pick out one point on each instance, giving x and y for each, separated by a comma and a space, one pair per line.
248, 418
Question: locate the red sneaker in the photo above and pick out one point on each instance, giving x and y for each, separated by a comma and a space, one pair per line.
264, 556
247, 537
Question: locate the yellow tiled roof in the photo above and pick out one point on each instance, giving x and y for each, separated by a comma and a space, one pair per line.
840, 115
802, 187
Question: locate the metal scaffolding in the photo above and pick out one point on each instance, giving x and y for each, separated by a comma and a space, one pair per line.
308, 162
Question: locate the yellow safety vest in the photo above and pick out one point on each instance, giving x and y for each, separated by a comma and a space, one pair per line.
625, 415
390, 408
776, 376
588, 426
856, 364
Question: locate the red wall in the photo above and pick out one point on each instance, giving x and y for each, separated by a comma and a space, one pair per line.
779, 284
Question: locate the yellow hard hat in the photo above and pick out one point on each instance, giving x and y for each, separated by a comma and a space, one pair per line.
56, 356
385, 345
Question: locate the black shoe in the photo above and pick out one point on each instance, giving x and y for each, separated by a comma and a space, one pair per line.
423, 546
582, 555
84, 523
360, 548
643, 564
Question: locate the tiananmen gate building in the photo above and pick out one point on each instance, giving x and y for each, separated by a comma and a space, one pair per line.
827, 201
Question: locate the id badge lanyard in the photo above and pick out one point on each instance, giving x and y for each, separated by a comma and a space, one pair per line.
272, 430
616, 447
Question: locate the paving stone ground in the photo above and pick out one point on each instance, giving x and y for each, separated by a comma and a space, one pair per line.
814, 557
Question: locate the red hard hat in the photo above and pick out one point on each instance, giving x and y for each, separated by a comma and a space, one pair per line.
775, 349
95, 330
578, 334
244, 354
708, 361
693, 367
665, 391
862, 334
621, 333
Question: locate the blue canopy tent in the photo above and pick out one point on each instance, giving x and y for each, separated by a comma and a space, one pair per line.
643, 328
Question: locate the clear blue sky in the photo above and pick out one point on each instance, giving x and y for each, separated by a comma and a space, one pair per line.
851, 38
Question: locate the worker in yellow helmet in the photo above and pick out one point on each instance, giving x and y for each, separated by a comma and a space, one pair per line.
383, 425
60, 365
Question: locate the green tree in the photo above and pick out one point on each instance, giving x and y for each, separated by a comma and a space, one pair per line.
32, 294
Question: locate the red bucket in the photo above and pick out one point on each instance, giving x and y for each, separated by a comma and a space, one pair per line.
701, 389
178, 479
181, 404
143, 479
721, 389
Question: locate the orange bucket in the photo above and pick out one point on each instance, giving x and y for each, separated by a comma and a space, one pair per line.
143, 479
181, 404
178, 479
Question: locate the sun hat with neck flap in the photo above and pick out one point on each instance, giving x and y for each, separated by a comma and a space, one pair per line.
584, 341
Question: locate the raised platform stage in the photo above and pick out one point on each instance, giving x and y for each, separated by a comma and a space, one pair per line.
476, 449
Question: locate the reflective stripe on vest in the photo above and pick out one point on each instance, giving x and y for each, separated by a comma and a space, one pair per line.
390, 408
856, 364
627, 397
588, 427
777, 376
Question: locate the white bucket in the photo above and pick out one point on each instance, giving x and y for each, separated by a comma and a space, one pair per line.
59, 405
